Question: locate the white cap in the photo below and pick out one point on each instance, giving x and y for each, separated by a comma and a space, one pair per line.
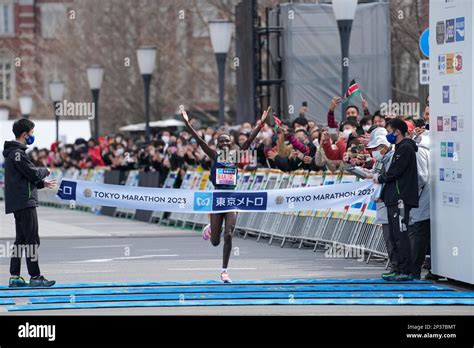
378, 137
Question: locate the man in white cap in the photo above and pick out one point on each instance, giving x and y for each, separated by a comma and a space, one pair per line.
382, 152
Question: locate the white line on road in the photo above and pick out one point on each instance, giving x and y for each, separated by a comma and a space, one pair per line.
81, 272
208, 269
366, 268
101, 246
123, 258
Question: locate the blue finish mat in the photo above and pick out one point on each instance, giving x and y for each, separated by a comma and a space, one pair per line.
215, 282
241, 293
293, 302
254, 295
228, 288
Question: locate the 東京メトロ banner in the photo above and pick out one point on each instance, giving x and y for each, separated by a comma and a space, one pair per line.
193, 201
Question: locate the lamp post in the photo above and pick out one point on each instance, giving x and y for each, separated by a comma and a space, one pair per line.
146, 63
344, 10
221, 32
4, 113
95, 76
56, 91
26, 105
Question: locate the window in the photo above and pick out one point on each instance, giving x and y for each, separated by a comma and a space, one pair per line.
6, 18
53, 18
6, 77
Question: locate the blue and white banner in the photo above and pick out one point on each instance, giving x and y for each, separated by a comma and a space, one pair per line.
193, 201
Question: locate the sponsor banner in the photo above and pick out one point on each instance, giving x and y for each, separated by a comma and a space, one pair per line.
193, 201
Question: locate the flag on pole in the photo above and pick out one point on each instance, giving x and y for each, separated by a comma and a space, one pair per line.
353, 90
277, 121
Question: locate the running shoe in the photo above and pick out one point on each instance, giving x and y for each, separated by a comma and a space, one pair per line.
206, 232
225, 277
41, 281
17, 282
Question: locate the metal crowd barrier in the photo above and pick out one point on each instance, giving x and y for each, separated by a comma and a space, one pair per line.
2, 182
352, 227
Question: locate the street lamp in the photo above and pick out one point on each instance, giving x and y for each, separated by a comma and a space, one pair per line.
56, 91
146, 63
344, 10
221, 32
95, 75
4, 113
26, 105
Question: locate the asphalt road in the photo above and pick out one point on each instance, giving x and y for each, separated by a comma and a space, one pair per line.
118, 250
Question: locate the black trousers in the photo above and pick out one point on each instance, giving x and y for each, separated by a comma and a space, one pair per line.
400, 237
27, 242
419, 234
393, 257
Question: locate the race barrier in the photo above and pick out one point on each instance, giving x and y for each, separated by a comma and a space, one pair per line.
351, 227
2, 182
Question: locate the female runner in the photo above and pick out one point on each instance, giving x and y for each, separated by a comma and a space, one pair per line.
223, 177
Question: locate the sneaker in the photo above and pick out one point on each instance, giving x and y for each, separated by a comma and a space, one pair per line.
402, 277
17, 282
389, 276
431, 276
41, 282
225, 277
206, 232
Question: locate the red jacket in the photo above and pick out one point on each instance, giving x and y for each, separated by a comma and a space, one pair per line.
94, 153
334, 154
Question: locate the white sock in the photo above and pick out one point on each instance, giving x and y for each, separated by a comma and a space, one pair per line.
224, 270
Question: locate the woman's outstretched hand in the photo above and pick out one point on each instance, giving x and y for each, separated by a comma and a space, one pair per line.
265, 114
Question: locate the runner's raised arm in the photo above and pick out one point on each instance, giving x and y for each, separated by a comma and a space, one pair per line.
201, 142
253, 135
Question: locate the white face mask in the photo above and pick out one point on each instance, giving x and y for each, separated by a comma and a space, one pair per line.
120, 152
207, 138
316, 142
377, 155
165, 138
267, 134
347, 133
366, 128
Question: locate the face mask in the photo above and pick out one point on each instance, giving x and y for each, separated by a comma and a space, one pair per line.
316, 142
207, 138
165, 138
427, 126
347, 133
391, 138
377, 155
267, 134
366, 128
120, 152
30, 139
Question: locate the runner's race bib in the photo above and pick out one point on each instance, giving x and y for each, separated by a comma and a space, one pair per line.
226, 176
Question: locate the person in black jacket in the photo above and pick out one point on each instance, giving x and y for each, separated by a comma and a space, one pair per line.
400, 194
22, 181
